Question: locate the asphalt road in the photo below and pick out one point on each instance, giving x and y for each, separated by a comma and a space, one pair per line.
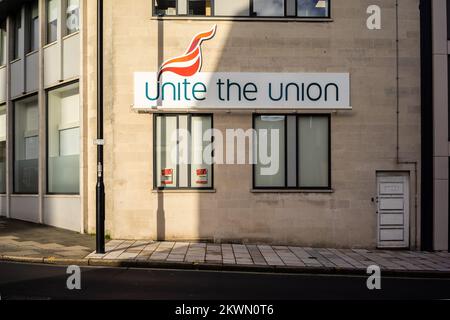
43, 282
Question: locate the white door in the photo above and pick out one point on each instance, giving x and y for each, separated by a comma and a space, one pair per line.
393, 210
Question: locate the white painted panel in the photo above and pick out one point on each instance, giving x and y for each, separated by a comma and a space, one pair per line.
71, 67
3, 205
52, 65
391, 204
392, 219
393, 210
2, 85
17, 79
32, 72
391, 188
391, 235
63, 212
25, 208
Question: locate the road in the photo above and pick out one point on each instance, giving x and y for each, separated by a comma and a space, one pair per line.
32, 281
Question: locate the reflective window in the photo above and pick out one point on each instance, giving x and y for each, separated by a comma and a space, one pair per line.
268, 8
234, 8
52, 20
292, 152
72, 16
313, 144
271, 143
244, 8
166, 7
18, 43
2, 44
33, 36
2, 148
26, 145
63, 140
312, 8
180, 143
199, 7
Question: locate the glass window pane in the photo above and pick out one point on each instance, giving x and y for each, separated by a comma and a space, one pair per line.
199, 7
3, 149
313, 151
201, 173
229, 8
63, 144
52, 20
166, 151
18, 45
72, 16
268, 8
34, 27
312, 8
270, 152
2, 44
166, 7
26, 146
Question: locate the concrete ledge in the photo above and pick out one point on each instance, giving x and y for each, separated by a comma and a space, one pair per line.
220, 267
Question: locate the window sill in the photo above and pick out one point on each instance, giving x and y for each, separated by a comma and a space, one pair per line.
69, 196
305, 191
73, 34
185, 191
266, 19
51, 44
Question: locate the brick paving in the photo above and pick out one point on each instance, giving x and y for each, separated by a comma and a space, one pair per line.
266, 255
22, 239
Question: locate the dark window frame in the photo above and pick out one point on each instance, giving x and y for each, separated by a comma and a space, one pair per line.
297, 152
250, 13
13, 143
155, 173
47, 136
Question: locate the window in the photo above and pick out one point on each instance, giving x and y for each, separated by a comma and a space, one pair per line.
199, 7
312, 8
268, 8
72, 16
63, 140
180, 143
231, 8
292, 152
166, 7
17, 35
244, 8
52, 20
2, 149
33, 37
26, 146
3, 43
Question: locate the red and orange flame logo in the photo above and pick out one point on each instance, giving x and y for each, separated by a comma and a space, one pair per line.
191, 62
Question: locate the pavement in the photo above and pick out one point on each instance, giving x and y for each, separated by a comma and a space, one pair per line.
27, 242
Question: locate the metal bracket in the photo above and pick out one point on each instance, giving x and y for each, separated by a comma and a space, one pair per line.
99, 142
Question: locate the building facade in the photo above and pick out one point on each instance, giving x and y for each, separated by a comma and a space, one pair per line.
344, 99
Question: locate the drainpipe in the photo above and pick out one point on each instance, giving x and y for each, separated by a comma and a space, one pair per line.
100, 187
398, 160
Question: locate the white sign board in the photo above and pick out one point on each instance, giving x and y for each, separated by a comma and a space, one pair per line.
206, 90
